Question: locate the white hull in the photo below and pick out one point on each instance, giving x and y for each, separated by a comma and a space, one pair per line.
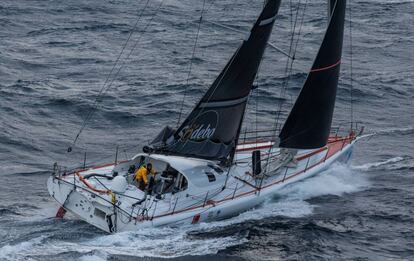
198, 202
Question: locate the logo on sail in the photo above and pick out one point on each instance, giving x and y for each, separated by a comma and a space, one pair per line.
201, 128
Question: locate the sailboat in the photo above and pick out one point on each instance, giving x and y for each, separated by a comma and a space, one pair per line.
206, 171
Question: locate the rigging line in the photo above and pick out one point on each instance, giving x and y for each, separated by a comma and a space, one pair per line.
191, 63
272, 45
291, 15
294, 50
123, 63
218, 84
284, 85
110, 73
351, 60
123, 48
208, 8
222, 76
279, 50
257, 98
137, 42
210, 96
288, 70
215, 88
296, 44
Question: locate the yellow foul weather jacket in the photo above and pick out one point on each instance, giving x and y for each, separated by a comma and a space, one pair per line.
142, 174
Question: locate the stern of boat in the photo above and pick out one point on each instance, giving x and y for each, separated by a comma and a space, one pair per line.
81, 203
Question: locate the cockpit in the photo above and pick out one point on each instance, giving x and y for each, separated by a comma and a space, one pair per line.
166, 180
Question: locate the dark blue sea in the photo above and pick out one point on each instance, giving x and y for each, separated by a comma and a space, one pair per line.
56, 55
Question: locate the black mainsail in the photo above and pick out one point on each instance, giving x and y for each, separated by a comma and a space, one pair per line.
212, 129
309, 122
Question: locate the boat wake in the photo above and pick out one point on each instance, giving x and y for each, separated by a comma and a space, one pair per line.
148, 242
291, 202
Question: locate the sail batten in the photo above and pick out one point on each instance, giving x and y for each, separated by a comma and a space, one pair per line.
309, 122
212, 128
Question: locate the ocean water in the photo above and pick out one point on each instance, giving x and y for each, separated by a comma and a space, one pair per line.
56, 55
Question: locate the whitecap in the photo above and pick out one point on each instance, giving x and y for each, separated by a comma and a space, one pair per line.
394, 163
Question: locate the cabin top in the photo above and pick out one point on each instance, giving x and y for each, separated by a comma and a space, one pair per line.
199, 173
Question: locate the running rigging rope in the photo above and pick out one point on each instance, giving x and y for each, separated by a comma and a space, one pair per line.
289, 64
105, 87
191, 62
292, 53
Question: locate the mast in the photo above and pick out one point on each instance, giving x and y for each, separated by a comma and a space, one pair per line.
309, 122
212, 129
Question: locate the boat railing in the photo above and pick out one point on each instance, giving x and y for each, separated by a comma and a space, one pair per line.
256, 136
266, 135
193, 201
345, 128
201, 199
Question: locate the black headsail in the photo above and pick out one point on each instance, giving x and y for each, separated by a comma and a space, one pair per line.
211, 130
309, 122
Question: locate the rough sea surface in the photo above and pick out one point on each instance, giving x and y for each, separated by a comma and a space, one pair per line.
56, 55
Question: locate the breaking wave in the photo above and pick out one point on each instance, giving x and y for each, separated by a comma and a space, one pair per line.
395, 163
14, 252
401, 131
291, 201
149, 242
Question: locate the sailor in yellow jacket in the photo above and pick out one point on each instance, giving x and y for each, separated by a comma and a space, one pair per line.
141, 175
